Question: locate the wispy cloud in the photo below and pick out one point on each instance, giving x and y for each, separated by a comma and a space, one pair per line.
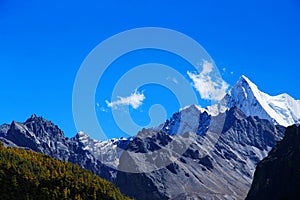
174, 80
206, 85
101, 108
135, 100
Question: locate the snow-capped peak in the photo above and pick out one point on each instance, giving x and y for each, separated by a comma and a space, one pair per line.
248, 85
186, 120
81, 136
281, 109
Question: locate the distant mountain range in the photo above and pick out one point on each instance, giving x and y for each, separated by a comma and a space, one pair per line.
225, 143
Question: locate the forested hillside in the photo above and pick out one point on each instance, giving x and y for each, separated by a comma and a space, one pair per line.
25, 174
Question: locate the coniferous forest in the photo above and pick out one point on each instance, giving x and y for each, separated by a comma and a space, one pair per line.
25, 174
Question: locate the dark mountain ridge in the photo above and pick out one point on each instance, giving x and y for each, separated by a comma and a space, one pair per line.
278, 175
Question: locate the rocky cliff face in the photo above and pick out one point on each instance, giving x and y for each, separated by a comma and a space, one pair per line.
278, 175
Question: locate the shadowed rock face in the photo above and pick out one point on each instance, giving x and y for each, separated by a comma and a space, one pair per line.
278, 175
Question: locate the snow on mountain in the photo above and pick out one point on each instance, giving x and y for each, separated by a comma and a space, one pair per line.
245, 95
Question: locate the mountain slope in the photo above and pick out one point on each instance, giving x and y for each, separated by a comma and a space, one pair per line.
28, 175
277, 176
223, 172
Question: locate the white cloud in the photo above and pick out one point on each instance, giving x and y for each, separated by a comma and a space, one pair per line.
135, 100
206, 85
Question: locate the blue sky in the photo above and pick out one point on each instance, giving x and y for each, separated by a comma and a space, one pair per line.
42, 46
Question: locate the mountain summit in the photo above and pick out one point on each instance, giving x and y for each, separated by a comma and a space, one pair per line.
245, 95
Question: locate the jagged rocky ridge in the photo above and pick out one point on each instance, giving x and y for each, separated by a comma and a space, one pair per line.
277, 176
41, 135
225, 142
